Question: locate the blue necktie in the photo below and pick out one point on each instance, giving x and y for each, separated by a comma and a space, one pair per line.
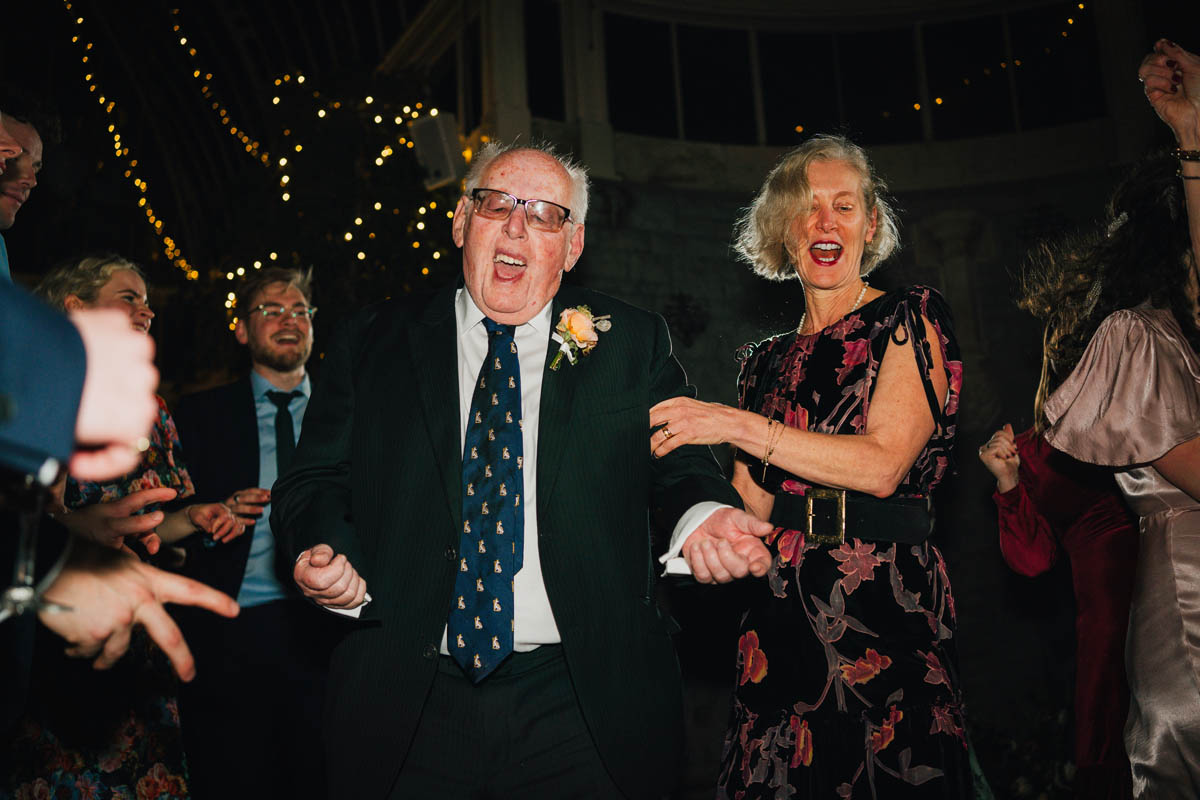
480, 627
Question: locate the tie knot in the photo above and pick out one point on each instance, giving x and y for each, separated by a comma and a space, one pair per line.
496, 329
282, 399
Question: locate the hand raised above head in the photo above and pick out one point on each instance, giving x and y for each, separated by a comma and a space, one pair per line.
728, 546
329, 579
1170, 78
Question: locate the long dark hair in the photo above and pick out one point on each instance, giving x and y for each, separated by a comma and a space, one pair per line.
1141, 252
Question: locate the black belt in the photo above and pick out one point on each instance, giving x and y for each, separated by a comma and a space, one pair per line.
828, 516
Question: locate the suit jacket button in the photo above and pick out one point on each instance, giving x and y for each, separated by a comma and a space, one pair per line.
430, 651
451, 553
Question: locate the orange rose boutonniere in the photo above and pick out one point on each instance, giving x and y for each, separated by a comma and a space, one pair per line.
576, 333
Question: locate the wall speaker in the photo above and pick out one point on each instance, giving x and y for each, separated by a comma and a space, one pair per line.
435, 140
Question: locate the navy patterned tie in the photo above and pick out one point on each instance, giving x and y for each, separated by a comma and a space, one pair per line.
480, 627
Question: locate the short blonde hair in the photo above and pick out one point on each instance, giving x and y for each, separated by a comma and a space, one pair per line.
83, 277
576, 172
760, 235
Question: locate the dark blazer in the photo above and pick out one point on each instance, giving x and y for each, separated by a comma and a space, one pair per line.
42, 366
377, 475
218, 432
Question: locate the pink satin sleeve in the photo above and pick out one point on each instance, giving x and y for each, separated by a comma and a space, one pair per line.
1134, 394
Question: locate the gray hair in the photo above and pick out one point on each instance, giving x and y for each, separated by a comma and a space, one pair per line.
760, 235
576, 172
83, 277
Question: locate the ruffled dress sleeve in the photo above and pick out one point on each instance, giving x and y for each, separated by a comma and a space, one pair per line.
1133, 396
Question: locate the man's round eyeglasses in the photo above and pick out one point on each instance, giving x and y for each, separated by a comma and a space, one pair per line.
276, 311
541, 215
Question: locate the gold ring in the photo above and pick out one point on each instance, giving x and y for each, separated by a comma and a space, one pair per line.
667, 432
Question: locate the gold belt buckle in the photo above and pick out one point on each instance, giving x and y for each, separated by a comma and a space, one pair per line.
838, 495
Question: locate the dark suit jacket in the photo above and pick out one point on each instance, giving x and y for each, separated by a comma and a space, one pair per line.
377, 475
218, 431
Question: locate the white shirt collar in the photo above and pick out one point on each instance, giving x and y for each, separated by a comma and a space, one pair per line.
468, 314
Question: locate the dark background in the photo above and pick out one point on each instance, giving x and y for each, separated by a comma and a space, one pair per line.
199, 144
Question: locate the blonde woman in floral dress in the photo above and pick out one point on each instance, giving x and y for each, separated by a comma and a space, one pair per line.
845, 678
114, 733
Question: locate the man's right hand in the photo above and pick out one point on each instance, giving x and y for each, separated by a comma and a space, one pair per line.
329, 580
117, 407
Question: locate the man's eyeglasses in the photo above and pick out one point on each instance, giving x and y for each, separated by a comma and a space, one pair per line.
276, 311
541, 215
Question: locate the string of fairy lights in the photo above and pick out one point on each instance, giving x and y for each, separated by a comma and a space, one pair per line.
324, 108
393, 121
986, 71
121, 148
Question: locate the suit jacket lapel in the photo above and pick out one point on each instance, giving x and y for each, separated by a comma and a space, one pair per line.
558, 394
434, 350
245, 417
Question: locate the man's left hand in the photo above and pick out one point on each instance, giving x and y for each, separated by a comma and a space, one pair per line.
728, 546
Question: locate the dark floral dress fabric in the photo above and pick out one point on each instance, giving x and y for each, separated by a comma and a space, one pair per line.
159, 468
846, 683
115, 734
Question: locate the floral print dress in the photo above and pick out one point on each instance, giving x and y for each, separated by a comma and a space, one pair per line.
113, 734
845, 682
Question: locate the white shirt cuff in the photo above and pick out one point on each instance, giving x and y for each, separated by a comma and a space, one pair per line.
353, 613
694, 517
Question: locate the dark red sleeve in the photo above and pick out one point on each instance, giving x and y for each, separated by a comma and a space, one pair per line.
1027, 539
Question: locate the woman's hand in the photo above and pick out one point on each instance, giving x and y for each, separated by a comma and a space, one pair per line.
109, 524
247, 504
1171, 80
216, 519
1000, 456
687, 421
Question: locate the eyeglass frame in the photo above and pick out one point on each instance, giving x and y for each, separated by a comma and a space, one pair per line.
477, 201
292, 313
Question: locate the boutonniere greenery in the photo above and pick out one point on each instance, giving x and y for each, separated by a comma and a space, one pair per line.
576, 333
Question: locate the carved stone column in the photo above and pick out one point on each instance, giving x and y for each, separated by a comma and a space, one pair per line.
505, 94
587, 86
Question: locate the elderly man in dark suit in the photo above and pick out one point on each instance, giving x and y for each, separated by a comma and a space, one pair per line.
481, 462
251, 721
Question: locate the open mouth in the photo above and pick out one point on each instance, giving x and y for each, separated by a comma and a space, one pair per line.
286, 339
826, 253
508, 267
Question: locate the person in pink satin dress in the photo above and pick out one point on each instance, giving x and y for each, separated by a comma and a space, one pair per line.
1127, 311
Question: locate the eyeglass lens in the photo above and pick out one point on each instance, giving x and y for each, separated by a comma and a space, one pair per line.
539, 214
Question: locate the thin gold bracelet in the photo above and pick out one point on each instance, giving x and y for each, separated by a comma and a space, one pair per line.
773, 437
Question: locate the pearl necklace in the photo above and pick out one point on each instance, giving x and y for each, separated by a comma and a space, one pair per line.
857, 301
